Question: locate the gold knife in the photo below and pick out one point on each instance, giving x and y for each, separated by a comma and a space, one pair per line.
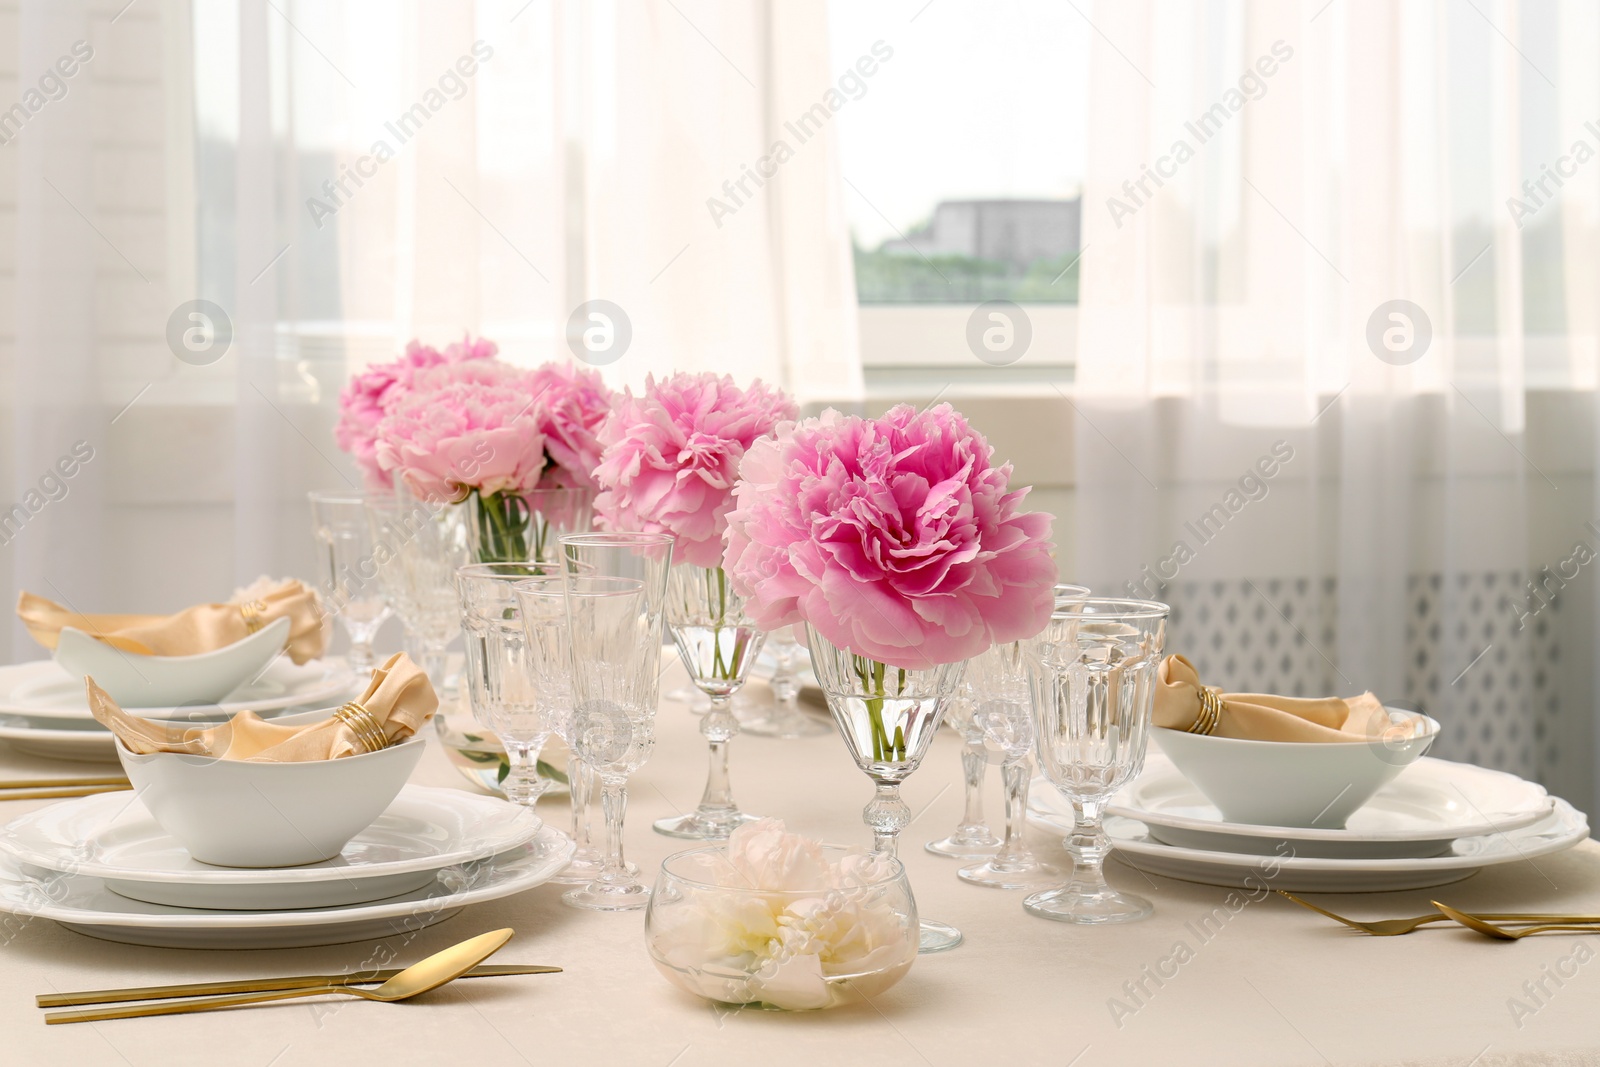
61, 793
260, 985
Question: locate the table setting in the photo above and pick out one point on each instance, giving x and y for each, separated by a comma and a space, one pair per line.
421, 827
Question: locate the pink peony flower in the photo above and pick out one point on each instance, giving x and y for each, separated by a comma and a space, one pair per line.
575, 403
896, 538
465, 426
672, 455
374, 390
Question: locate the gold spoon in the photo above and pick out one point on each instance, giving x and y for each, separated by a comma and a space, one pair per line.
1474, 922
1392, 927
431, 973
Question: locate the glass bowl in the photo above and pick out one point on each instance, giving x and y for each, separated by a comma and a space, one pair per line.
809, 946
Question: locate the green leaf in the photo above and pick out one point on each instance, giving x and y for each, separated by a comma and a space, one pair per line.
505, 771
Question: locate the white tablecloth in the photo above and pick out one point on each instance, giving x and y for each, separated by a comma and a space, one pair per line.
1276, 986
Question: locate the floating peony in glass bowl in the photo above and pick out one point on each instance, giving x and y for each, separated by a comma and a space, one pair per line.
776, 921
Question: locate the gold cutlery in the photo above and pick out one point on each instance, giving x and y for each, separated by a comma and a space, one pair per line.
419, 978
1393, 927
260, 985
1476, 922
49, 788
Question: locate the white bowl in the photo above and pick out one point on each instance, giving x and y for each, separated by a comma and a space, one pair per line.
138, 681
1293, 783
233, 813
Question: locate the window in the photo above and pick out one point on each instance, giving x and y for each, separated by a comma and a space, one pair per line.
962, 168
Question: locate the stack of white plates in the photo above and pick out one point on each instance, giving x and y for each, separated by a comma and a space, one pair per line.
102, 866
1438, 822
43, 710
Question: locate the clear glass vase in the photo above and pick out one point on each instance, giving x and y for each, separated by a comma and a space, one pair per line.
524, 527
718, 644
888, 716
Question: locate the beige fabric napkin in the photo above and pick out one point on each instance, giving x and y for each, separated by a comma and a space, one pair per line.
202, 628
1263, 717
400, 697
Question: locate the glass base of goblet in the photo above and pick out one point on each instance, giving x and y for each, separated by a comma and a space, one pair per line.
1022, 874
1068, 904
607, 896
937, 937
784, 723
584, 869
697, 827
966, 844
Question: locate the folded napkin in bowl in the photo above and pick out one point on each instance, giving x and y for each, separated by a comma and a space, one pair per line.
1182, 703
397, 702
202, 628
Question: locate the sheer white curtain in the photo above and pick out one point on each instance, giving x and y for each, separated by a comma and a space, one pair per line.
341, 177
1328, 506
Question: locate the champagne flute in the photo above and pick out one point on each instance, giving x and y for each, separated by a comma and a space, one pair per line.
544, 617
615, 587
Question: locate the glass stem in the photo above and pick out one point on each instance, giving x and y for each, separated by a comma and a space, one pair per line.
1014, 778
360, 657
614, 802
434, 661
973, 765
1088, 845
718, 726
887, 815
579, 782
522, 785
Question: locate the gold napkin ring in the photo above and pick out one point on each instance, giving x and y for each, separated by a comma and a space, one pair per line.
368, 730
252, 611
1211, 705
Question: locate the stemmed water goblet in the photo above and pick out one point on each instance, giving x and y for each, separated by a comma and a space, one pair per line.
615, 588
718, 644
1002, 715
348, 572
1093, 675
502, 686
888, 716
418, 546
783, 717
544, 618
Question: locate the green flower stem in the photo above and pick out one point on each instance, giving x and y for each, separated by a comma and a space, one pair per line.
872, 676
501, 534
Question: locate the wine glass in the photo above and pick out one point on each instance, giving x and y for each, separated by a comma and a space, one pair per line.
349, 572
1002, 716
888, 716
718, 644
501, 685
418, 546
544, 617
783, 717
615, 590
1093, 675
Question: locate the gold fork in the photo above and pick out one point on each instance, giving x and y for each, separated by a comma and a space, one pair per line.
1394, 927
1500, 933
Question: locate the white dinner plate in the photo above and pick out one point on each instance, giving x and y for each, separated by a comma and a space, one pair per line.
1561, 829
85, 904
1432, 803
86, 740
112, 837
43, 690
